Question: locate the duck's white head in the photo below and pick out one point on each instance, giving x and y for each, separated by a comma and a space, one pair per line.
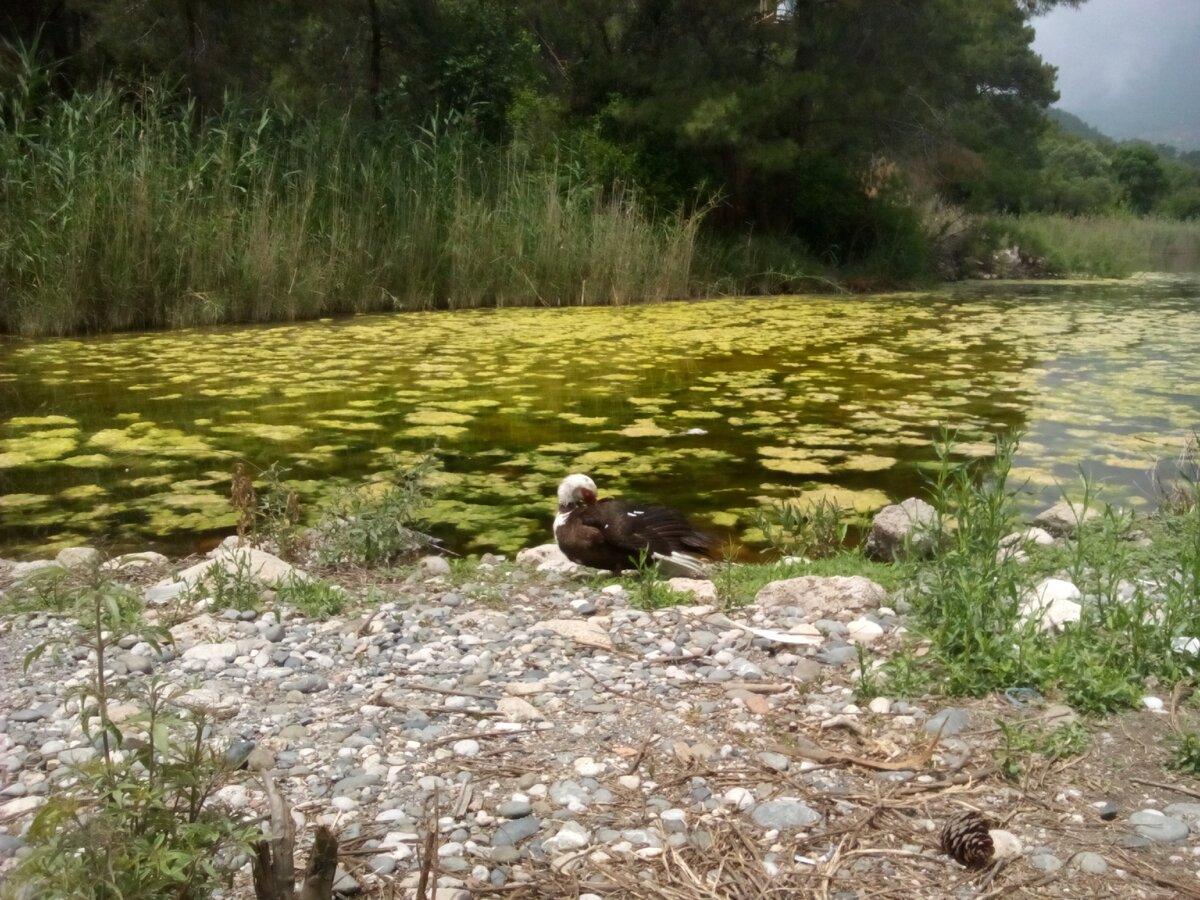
575, 490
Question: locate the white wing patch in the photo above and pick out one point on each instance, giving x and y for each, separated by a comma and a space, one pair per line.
633, 513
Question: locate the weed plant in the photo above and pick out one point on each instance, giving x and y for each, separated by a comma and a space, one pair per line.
140, 820
967, 600
315, 599
375, 524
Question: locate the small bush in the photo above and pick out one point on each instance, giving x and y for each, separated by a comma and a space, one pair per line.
374, 524
138, 821
314, 599
812, 530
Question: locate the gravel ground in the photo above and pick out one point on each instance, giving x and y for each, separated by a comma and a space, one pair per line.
564, 743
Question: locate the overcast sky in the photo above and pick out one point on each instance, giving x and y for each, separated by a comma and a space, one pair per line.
1129, 67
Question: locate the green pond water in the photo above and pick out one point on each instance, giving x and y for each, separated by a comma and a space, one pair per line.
716, 407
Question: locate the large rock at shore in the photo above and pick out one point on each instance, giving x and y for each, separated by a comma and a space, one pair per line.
908, 524
823, 597
78, 558
546, 558
1064, 517
264, 568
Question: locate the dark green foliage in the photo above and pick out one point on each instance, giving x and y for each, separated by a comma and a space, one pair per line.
817, 124
1141, 176
1185, 753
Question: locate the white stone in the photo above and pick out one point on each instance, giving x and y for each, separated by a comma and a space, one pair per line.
467, 747
227, 652
572, 836
518, 710
1064, 517
1053, 603
583, 631
1188, 645
739, 798
546, 558
1005, 844
823, 596
23, 570
235, 796
1154, 704
864, 631
435, 566
78, 557
880, 705
588, 767
526, 688
19, 807
135, 561
264, 568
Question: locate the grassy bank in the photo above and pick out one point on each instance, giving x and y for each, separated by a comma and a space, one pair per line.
115, 217
1112, 246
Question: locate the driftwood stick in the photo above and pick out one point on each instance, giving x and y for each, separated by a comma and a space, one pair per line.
272, 866
322, 867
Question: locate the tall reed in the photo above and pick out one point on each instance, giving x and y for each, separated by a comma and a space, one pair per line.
1108, 246
121, 212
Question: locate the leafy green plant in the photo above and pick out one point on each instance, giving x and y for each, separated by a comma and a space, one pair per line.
52, 589
278, 517
230, 588
967, 598
375, 524
1020, 743
1185, 752
315, 599
813, 530
869, 684
648, 589
139, 820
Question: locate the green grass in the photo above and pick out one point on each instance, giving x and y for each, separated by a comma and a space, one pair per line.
966, 601
1112, 246
116, 215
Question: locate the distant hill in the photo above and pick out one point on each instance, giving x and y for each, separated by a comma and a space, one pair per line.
1072, 124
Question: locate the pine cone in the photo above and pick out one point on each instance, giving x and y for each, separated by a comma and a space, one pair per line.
965, 838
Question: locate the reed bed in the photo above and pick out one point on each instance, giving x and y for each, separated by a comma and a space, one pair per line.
1112, 246
121, 212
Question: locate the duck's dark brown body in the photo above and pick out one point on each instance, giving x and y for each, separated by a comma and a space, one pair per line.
615, 535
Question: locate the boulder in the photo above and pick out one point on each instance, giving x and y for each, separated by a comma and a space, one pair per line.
912, 522
435, 566
823, 597
1065, 517
22, 570
546, 558
78, 558
266, 569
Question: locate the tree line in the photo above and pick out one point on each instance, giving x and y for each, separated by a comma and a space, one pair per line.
829, 125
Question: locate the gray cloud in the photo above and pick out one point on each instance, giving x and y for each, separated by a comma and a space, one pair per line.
1129, 67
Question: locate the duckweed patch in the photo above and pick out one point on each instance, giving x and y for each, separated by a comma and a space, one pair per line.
698, 405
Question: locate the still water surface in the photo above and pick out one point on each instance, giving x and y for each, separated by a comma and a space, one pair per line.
715, 406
